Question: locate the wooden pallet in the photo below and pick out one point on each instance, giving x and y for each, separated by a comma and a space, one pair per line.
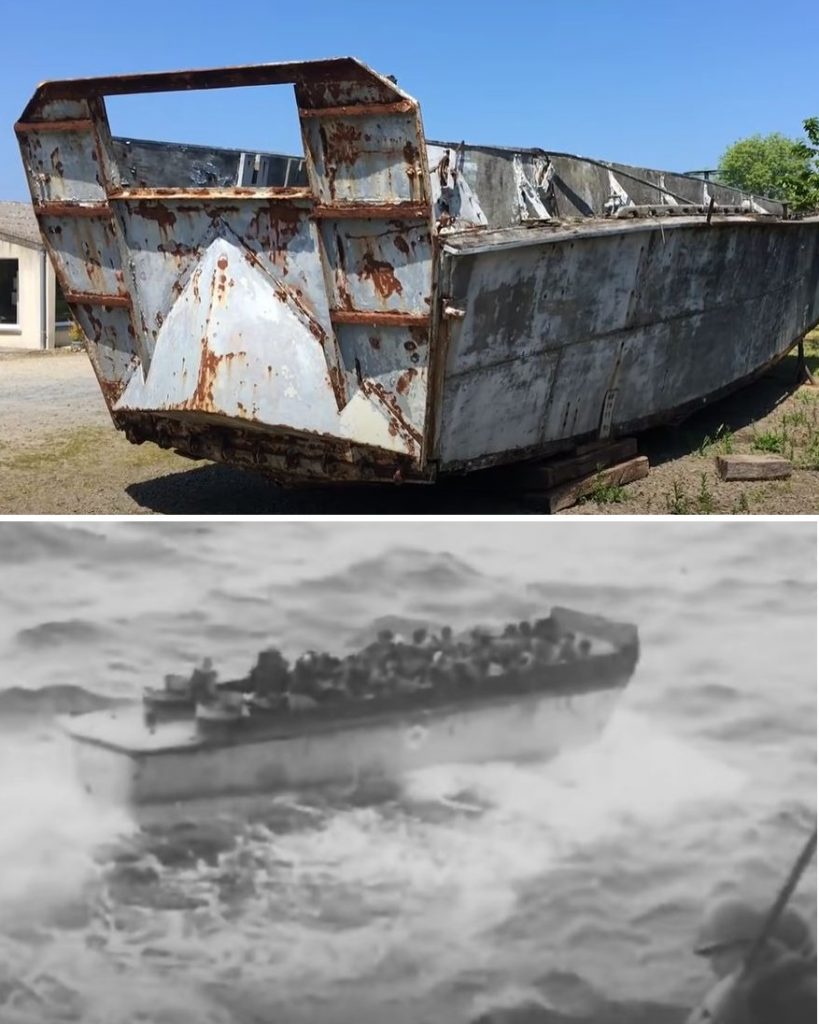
560, 483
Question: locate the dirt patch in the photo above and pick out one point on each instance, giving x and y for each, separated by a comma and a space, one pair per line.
60, 454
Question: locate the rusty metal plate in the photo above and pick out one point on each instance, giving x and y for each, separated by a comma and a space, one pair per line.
110, 344
376, 350
361, 158
91, 261
379, 266
63, 165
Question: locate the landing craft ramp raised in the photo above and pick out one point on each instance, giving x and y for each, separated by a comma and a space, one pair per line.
384, 307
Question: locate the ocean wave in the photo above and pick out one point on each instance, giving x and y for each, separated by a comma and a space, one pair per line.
52, 634
404, 568
49, 701
26, 542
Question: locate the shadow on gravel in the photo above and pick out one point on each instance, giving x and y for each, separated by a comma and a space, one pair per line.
220, 490
741, 409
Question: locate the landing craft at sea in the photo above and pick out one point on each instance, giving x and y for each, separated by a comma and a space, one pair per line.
397, 705
390, 308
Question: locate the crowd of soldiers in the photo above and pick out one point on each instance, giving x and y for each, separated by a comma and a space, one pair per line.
393, 664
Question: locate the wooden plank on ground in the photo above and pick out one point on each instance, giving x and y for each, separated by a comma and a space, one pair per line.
753, 467
565, 495
557, 471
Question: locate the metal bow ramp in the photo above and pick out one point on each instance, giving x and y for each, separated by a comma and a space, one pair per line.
290, 324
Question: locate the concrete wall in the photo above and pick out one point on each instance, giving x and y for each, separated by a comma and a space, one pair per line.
28, 332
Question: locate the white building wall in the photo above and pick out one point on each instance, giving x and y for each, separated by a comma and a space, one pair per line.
28, 332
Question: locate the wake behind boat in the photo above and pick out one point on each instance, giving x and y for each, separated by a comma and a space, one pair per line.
532, 691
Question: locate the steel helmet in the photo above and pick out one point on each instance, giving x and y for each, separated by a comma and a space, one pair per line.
793, 931
728, 922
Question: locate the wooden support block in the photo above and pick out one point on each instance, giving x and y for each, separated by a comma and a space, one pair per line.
557, 471
753, 467
567, 494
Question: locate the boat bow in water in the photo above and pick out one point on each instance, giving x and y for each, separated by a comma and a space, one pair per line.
531, 693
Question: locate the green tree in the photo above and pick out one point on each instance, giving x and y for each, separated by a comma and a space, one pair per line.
804, 187
776, 166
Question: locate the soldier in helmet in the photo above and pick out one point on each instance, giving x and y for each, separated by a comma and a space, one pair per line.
203, 682
781, 985
271, 673
794, 932
726, 933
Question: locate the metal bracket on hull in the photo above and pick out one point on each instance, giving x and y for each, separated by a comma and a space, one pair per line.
608, 414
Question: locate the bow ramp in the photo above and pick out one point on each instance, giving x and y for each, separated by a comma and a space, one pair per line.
281, 313
237, 343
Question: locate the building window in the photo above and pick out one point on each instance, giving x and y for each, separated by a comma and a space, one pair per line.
62, 314
9, 289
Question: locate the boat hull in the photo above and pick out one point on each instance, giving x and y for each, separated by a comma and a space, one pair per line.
173, 763
569, 333
387, 308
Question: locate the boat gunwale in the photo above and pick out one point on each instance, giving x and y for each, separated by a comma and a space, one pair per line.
618, 667
519, 236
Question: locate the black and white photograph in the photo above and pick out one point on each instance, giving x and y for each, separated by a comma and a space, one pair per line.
408, 771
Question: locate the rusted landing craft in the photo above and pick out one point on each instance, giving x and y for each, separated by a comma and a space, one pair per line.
386, 307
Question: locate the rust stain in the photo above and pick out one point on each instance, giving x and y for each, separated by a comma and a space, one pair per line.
337, 383
222, 263
341, 143
272, 228
96, 323
111, 390
93, 268
344, 296
408, 432
56, 163
178, 250
375, 341
404, 381
401, 244
208, 368
410, 152
156, 212
382, 275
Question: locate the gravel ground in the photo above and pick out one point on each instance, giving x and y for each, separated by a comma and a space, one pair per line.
59, 454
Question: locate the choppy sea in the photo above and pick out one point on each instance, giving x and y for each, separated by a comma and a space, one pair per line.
568, 885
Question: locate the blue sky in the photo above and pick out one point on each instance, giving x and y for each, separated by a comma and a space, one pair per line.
666, 86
